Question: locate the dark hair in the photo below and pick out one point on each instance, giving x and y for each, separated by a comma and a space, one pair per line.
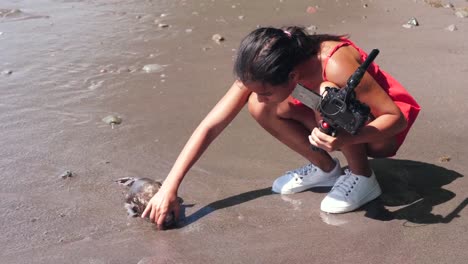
269, 54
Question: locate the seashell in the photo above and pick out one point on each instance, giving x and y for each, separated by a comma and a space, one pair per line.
112, 120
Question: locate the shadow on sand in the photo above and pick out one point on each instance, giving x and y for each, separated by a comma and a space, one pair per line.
224, 203
414, 188
411, 186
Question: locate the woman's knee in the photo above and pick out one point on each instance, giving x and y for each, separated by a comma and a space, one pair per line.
382, 149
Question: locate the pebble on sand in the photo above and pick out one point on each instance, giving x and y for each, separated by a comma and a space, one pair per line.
66, 174
150, 68
112, 120
217, 38
7, 72
451, 28
311, 9
462, 12
413, 22
434, 3
445, 159
312, 29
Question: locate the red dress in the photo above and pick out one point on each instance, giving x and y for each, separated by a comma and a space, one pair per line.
408, 106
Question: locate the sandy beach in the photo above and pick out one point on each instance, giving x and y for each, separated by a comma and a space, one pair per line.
67, 64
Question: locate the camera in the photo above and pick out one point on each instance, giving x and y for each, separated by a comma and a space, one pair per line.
339, 112
339, 108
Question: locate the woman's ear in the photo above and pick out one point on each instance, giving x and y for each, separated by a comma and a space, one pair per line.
293, 76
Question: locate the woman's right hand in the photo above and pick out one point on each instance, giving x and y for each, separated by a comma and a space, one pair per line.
163, 203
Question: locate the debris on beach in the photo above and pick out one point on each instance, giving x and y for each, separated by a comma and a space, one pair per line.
217, 38
449, 5
434, 3
140, 191
461, 12
445, 159
150, 68
312, 29
66, 174
413, 22
451, 28
112, 120
10, 12
311, 9
163, 25
7, 72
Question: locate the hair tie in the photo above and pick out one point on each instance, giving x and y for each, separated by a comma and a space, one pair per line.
287, 33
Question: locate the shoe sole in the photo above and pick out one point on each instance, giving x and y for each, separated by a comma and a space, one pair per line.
376, 192
299, 189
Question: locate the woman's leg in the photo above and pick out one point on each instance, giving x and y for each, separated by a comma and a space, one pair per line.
291, 125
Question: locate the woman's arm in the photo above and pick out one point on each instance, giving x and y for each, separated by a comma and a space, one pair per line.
212, 125
388, 121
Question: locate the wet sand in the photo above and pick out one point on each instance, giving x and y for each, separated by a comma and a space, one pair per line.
67, 64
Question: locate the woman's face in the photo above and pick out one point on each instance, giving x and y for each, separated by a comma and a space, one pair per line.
267, 93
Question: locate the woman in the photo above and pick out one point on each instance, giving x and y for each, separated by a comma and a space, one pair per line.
269, 65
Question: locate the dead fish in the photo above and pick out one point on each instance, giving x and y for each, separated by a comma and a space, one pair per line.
140, 192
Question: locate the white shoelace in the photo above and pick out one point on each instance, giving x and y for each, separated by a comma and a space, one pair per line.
346, 184
303, 171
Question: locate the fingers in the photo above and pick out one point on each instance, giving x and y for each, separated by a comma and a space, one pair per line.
321, 140
153, 214
160, 221
146, 211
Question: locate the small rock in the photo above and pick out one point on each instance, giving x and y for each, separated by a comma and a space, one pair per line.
150, 68
311, 10
449, 5
112, 120
217, 38
365, 6
413, 22
163, 15
434, 3
312, 29
66, 174
462, 12
240, 17
444, 159
162, 25
7, 72
451, 28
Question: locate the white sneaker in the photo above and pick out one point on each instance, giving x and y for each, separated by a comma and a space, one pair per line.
305, 178
350, 192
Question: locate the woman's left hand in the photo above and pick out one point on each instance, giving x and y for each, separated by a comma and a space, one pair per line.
326, 142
